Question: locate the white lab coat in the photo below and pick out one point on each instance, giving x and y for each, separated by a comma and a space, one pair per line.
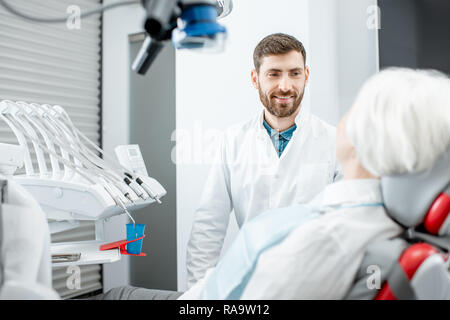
250, 178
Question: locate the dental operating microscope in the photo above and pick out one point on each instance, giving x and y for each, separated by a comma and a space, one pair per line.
190, 24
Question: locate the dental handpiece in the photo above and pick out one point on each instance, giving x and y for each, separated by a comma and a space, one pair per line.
118, 201
145, 186
67, 134
89, 158
136, 188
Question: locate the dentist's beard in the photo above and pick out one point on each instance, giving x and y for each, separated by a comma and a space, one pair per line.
281, 110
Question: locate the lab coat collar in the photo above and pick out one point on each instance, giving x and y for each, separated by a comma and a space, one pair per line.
357, 191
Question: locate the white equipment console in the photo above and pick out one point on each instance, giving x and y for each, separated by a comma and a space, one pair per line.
130, 157
78, 184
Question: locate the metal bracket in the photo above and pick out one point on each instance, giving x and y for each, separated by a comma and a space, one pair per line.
441, 242
3, 185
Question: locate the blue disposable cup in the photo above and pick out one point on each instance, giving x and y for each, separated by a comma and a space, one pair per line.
135, 231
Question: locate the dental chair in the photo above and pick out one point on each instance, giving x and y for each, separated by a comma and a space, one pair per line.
25, 265
415, 265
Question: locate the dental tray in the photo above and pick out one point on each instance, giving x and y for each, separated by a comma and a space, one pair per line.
89, 251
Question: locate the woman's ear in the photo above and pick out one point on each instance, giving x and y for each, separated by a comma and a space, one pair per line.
254, 77
353, 152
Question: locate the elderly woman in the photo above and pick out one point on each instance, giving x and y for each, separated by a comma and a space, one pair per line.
399, 123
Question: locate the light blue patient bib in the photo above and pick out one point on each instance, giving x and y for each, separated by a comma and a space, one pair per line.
233, 271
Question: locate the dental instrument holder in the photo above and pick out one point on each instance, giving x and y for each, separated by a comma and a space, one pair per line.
71, 194
132, 245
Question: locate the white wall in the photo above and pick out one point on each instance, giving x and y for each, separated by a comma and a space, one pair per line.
323, 59
358, 48
343, 53
118, 23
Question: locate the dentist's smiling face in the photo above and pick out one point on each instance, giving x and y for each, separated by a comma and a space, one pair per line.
281, 82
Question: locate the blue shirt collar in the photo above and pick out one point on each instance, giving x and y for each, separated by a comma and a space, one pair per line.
286, 134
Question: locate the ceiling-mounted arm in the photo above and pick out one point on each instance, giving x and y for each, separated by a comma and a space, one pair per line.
190, 24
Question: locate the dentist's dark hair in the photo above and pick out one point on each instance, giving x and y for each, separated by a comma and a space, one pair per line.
276, 44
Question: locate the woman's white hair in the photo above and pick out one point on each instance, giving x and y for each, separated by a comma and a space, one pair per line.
400, 121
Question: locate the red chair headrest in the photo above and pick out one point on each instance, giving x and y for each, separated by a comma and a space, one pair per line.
437, 220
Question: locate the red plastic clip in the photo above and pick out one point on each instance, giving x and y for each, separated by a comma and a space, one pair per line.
122, 245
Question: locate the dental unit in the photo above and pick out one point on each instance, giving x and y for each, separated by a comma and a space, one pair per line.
78, 184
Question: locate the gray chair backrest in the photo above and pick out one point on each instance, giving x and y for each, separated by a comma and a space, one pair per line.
382, 255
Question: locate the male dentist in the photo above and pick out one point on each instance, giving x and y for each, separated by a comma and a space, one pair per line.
281, 157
